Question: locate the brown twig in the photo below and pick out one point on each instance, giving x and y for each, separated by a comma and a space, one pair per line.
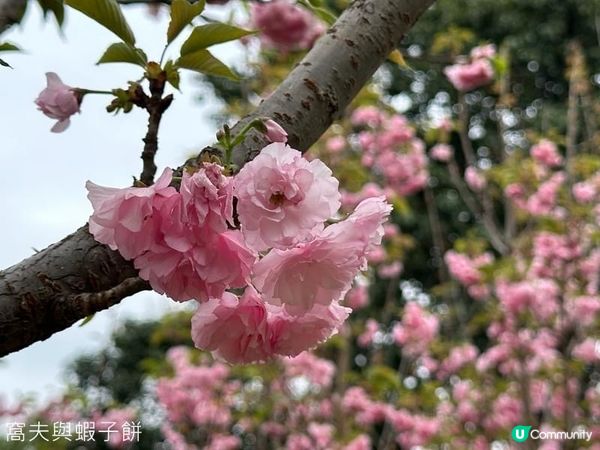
436, 230
572, 115
89, 303
156, 105
504, 101
463, 131
485, 218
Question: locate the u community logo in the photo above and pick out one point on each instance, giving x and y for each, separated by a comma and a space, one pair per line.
521, 433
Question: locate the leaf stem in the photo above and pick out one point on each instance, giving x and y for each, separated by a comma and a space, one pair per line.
94, 91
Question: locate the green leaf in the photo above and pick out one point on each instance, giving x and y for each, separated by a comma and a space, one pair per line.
172, 74
123, 53
204, 62
56, 7
8, 47
182, 14
322, 13
397, 57
382, 378
4, 63
108, 14
214, 33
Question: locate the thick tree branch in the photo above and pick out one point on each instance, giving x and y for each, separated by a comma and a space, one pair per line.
40, 295
318, 90
54, 288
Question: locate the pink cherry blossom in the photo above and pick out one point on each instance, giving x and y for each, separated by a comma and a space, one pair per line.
273, 429
461, 390
216, 263
322, 434
516, 193
423, 429
224, 442
417, 329
584, 192
405, 171
317, 370
584, 310
282, 197
357, 297
441, 152
387, 271
545, 152
367, 115
275, 132
208, 198
444, 124
539, 296
390, 230
58, 101
475, 179
463, 268
123, 218
366, 337
335, 144
299, 441
294, 278
457, 359
234, 329
506, 411
175, 439
355, 399
351, 199
551, 246
291, 335
486, 51
587, 351
208, 412
373, 412
247, 330
478, 291
466, 77
543, 201
284, 26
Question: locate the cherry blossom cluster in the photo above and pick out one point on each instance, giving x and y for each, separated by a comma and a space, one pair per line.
467, 271
302, 414
391, 148
408, 429
475, 72
207, 398
294, 270
284, 25
539, 195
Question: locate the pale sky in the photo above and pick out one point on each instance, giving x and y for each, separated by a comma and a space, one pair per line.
43, 174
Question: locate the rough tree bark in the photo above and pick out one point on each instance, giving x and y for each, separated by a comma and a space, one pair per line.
77, 276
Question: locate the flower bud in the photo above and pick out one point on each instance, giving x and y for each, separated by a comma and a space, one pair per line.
58, 101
